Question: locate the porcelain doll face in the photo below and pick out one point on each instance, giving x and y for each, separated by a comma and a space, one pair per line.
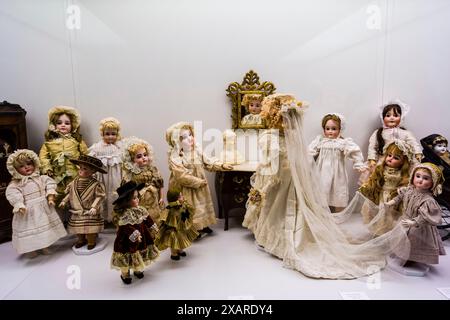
440, 148
63, 124
134, 201
141, 157
394, 160
187, 140
85, 171
110, 136
422, 179
254, 107
25, 168
392, 119
331, 129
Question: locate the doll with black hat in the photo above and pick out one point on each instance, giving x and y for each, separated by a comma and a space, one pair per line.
85, 196
177, 230
134, 247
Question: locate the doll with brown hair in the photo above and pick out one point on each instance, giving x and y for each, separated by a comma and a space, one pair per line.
422, 213
138, 166
36, 225
392, 116
252, 103
85, 196
134, 247
63, 142
108, 150
391, 174
177, 230
187, 164
330, 150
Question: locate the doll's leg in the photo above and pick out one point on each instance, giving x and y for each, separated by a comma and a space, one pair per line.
46, 251
81, 240
174, 254
138, 273
32, 254
125, 275
91, 240
336, 209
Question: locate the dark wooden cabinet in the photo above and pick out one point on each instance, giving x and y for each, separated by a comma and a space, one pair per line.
13, 135
232, 189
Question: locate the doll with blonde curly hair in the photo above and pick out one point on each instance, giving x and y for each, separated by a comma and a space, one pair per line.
138, 166
252, 103
109, 151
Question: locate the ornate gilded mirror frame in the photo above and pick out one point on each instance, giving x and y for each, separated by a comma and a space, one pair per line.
249, 85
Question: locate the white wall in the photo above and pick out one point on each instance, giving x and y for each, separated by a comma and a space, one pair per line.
151, 63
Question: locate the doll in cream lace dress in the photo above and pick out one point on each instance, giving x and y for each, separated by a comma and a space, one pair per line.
252, 103
108, 150
187, 164
36, 225
330, 150
138, 166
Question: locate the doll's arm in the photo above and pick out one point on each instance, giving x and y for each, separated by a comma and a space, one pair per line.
313, 147
372, 150
353, 152
15, 198
100, 195
83, 147
430, 212
50, 189
396, 200
214, 164
64, 201
44, 158
412, 141
184, 178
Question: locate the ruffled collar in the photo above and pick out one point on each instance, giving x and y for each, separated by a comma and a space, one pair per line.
134, 215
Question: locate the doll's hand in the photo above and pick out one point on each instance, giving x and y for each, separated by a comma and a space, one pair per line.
203, 183
161, 203
372, 164
51, 200
408, 223
92, 211
50, 173
419, 157
62, 205
23, 210
227, 167
389, 203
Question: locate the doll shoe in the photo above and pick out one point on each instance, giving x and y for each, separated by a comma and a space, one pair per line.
206, 230
46, 251
91, 246
182, 254
126, 280
138, 275
176, 258
80, 244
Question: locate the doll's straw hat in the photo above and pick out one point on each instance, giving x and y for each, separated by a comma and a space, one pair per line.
124, 190
90, 161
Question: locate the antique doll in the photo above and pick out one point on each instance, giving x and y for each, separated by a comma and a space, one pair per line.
62, 143
108, 150
138, 166
252, 103
36, 225
392, 116
134, 247
435, 151
391, 174
272, 196
330, 150
176, 231
85, 196
187, 163
422, 213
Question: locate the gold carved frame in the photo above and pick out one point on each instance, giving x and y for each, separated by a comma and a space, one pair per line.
249, 85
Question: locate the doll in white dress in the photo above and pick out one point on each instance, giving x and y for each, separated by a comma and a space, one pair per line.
108, 150
330, 151
392, 116
36, 224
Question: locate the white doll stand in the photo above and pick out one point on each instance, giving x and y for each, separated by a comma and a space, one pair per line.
414, 269
83, 251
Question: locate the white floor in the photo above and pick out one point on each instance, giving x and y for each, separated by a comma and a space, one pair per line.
224, 265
